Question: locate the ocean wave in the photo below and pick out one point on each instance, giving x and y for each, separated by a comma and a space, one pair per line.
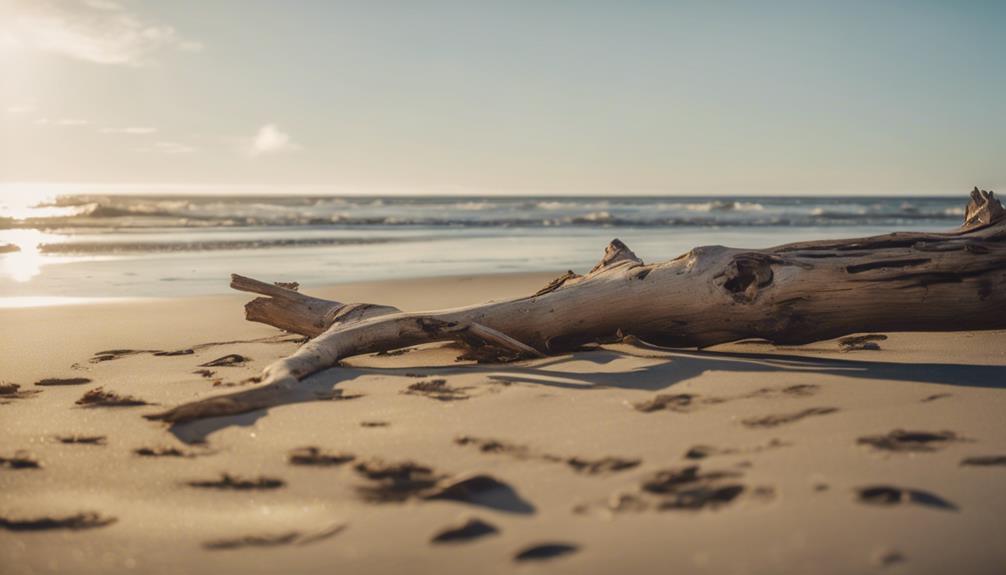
145, 212
94, 248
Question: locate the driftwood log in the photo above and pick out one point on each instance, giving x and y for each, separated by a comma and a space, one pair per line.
790, 294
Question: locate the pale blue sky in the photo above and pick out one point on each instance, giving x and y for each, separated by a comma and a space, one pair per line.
497, 97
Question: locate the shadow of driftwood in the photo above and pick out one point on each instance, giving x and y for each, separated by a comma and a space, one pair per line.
668, 369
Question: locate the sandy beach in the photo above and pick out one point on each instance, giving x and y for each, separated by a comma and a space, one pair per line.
743, 458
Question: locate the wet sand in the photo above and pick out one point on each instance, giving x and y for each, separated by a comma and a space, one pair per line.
744, 458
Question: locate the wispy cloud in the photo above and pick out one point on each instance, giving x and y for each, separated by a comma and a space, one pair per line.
98, 31
271, 140
130, 130
19, 110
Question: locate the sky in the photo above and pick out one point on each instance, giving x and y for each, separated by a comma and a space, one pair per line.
507, 97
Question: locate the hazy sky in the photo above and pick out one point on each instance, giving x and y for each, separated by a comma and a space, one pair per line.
508, 96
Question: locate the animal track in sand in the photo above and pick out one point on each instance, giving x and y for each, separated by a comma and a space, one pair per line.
900, 441
543, 551
887, 495
274, 540
686, 402
20, 460
471, 529
437, 389
100, 398
767, 421
53, 381
86, 520
315, 456
232, 482
985, 460
586, 466
82, 439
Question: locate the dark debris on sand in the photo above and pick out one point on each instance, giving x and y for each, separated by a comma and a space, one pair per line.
861, 342
86, 520
767, 421
82, 439
100, 398
232, 482
900, 440
888, 495
315, 456
394, 481
682, 489
161, 452
985, 460
20, 460
436, 389
229, 360
11, 391
273, 540
53, 381
471, 529
584, 465
542, 551
667, 401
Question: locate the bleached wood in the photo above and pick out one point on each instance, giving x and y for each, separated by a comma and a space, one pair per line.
790, 294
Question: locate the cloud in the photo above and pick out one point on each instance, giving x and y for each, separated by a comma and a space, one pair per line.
271, 140
19, 110
130, 130
97, 31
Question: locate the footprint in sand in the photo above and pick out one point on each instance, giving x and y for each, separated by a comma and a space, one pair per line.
470, 530
86, 520
543, 551
887, 496
900, 440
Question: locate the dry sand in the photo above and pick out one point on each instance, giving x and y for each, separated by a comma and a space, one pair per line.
746, 458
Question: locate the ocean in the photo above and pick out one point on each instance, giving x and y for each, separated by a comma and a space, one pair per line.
74, 247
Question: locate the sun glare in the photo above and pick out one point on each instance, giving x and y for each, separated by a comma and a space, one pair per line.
26, 263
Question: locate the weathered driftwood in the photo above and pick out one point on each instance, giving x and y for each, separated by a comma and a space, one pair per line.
790, 294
